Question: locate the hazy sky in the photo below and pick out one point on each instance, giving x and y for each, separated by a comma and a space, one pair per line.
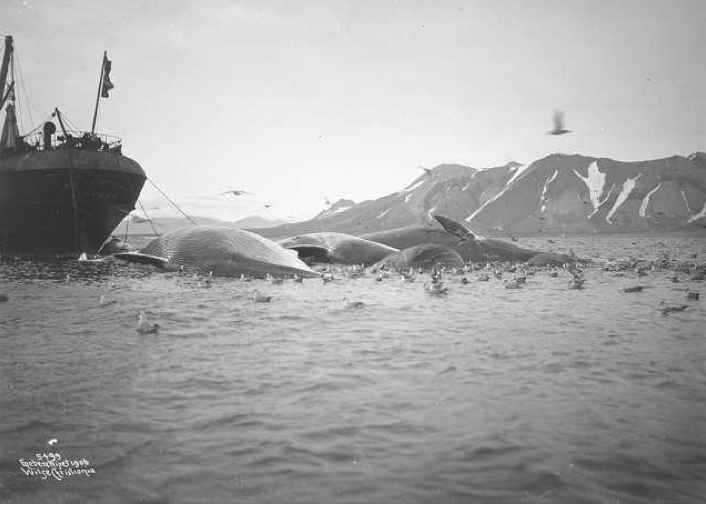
299, 100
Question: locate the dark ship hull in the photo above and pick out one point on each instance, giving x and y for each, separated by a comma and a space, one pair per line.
64, 202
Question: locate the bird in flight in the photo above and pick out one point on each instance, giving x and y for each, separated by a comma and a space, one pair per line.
558, 124
328, 202
236, 192
52, 441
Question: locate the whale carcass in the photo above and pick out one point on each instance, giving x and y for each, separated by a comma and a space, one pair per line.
454, 235
425, 256
222, 251
332, 247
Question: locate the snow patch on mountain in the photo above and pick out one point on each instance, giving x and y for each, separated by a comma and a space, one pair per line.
517, 170
543, 198
628, 186
595, 182
646, 200
683, 195
700, 215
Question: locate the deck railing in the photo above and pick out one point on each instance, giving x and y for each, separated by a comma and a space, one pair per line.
72, 140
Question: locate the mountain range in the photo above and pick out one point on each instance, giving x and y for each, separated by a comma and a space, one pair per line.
557, 194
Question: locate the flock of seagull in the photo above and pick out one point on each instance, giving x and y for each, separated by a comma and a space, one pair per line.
513, 276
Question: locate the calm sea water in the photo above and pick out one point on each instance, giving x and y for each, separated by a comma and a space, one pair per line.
542, 394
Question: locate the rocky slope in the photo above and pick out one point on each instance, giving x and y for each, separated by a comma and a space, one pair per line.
579, 194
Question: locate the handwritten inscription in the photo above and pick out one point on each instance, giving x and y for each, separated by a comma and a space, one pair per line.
51, 464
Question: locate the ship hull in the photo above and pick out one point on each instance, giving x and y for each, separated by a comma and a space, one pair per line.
64, 202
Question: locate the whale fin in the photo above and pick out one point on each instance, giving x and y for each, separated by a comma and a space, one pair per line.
147, 259
455, 228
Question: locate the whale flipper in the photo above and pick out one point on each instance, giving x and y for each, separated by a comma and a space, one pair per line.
138, 257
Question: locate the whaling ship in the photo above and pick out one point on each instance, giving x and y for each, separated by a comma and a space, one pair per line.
62, 192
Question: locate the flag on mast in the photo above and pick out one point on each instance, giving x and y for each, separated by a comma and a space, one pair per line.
107, 85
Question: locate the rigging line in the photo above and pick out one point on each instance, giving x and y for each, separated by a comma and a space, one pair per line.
170, 201
148, 217
69, 122
21, 79
38, 127
72, 126
15, 92
127, 227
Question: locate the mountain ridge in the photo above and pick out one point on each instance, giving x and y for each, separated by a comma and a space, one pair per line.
556, 194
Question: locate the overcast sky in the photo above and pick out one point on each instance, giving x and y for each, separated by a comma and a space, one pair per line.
300, 100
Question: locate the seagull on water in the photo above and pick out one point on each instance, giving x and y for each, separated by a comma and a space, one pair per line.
353, 304
435, 288
144, 326
558, 124
102, 302
513, 284
261, 298
633, 289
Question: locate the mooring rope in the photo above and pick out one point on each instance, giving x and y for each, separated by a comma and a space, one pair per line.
172, 202
148, 217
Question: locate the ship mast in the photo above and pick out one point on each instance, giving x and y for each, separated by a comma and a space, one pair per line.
3, 71
100, 90
10, 135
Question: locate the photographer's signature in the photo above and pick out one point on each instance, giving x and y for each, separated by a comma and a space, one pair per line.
51, 464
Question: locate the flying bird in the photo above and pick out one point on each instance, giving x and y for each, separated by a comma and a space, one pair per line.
328, 202
236, 192
558, 124
52, 441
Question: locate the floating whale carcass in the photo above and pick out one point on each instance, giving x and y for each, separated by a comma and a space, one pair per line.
425, 256
332, 247
456, 236
224, 251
